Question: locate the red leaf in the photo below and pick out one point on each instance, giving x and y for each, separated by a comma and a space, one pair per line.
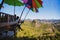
34, 4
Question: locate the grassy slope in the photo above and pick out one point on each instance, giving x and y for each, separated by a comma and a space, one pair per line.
46, 31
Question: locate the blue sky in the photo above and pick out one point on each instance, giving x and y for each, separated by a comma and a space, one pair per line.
50, 10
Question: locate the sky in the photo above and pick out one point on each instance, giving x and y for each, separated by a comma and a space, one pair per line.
50, 10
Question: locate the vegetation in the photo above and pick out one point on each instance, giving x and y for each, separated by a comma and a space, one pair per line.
31, 31
43, 32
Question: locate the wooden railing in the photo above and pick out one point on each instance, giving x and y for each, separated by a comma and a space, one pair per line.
7, 17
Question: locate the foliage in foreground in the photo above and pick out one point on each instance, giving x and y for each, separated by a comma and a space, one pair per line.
44, 32
37, 31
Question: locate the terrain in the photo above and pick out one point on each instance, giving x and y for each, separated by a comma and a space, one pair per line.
38, 30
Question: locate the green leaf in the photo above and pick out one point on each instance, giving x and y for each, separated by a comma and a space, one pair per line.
13, 2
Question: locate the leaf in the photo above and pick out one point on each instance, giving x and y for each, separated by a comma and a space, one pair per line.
13, 2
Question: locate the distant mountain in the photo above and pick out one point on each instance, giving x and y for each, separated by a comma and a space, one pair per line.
46, 20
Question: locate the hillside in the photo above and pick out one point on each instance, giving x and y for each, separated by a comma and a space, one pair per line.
36, 30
